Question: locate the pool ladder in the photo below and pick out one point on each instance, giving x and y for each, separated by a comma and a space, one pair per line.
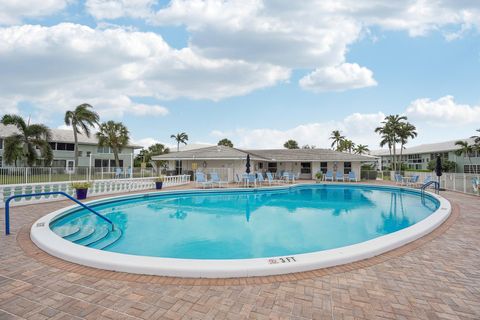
429, 183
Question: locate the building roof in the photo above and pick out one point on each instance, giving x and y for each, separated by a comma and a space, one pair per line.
426, 148
276, 155
59, 135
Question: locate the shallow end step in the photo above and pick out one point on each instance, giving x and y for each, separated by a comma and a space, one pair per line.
66, 230
86, 231
110, 239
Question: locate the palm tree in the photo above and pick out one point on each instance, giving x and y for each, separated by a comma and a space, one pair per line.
466, 150
29, 138
81, 119
406, 131
361, 149
225, 142
291, 144
337, 138
477, 138
180, 138
389, 131
346, 145
114, 135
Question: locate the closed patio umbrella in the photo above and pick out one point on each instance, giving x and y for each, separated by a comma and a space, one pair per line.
248, 164
438, 169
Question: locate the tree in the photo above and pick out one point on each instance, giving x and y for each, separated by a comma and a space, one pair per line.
447, 166
406, 131
180, 138
308, 146
291, 144
81, 119
337, 138
225, 142
390, 131
24, 144
146, 154
346, 145
477, 139
114, 135
466, 150
361, 149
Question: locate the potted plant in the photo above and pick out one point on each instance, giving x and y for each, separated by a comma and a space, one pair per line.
81, 189
319, 176
159, 183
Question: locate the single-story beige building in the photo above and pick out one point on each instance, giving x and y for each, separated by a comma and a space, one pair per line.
231, 161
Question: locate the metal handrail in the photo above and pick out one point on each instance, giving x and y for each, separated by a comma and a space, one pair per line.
7, 206
429, 183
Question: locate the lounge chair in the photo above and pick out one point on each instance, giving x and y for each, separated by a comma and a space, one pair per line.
216, 180
328, 176
260, 178
339, 176
398, 178
201, 180
352, 177
413, 180
238, 181
249, 178
476, 185
270, 179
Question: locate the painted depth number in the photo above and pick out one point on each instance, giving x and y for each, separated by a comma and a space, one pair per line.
282, 260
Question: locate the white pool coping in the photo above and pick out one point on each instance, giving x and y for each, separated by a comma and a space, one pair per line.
48, 241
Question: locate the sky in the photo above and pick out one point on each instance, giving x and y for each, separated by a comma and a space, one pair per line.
255, 72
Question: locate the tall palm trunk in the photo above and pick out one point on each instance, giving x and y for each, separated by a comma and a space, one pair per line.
117, 159
75, 139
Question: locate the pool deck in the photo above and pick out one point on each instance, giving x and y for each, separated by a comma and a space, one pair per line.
435, 277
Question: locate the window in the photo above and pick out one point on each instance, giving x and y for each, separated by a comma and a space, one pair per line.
70, 147
113, 165
89, 153
53, 145
1, 143
260, 165
1, 162
178, 166
347, 167
105, 149
272, 167
59, 163
324, 167
101, 163
305, 167
471, 168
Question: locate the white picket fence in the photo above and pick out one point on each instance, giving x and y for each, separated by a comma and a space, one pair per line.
99, 187
459, 182
27, 175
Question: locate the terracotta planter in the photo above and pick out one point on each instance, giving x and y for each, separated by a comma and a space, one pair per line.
81, 193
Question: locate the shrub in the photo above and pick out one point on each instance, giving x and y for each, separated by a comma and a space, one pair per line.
81, 185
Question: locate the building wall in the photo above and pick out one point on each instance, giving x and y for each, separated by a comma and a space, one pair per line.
62, 156
420, 161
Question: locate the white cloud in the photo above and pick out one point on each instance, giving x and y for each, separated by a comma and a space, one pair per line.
338, 78
12, 11
443, 111
57, 67
112, 9
358, 127
145, 142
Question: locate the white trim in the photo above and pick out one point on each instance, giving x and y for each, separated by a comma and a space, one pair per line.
48, 241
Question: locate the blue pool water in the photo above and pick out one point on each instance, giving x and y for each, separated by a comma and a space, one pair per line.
251, 224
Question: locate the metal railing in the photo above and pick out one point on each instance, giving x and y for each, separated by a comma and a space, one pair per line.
429, 183
7, 206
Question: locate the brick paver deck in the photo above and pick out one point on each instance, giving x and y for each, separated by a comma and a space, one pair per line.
436, 277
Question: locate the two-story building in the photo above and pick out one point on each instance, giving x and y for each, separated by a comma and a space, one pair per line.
418, 157
63, 146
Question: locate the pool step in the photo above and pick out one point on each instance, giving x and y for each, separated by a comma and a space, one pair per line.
107, 241
99, 234
66, 231
86, 231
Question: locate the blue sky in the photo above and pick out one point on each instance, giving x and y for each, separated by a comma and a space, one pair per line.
256, 72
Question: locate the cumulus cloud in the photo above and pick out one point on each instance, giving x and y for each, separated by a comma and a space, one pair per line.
59, 66
13, 11
338, 78
443, 111
357, 126
112, 9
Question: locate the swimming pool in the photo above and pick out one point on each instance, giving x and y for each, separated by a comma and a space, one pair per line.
238, 232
